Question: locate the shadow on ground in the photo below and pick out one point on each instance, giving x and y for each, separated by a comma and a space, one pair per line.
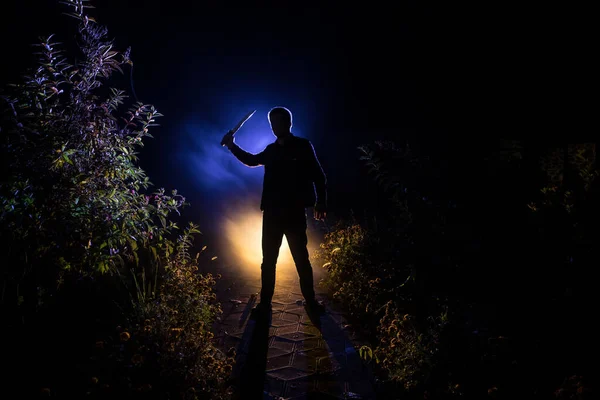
291, 355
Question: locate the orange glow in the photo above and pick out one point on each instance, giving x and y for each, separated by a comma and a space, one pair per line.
240, 246
243, 235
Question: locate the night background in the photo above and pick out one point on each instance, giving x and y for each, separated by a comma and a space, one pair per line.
447, 77
480, 93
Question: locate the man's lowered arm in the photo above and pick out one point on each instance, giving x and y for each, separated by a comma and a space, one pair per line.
318, 177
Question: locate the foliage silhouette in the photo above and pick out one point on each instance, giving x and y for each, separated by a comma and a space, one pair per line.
78, 218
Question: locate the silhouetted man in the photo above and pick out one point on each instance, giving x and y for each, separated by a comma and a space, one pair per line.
292, 172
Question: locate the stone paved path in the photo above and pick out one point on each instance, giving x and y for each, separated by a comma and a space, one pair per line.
293, 356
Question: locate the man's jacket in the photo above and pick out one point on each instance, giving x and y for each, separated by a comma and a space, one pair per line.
292, 173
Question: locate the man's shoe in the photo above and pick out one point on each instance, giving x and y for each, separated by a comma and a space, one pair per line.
314, 307
262, 310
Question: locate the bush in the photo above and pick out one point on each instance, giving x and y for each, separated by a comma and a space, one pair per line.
409, 351
445, 321
380, 273
72, 197
165, 349
365, 268
369, 277
78, 218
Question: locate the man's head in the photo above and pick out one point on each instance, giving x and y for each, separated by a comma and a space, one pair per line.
280, 119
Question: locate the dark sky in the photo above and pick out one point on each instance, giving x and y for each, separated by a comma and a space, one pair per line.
431, 73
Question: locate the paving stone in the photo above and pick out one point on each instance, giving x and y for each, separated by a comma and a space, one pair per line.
289, 317
292, 328
288, 373
279, 322
300, 387
287, 286
283, 344
284, 287
317, 352
277, 313
277, 306
274, 387
296, 336
289, 278
308, 344
276, 352
297, 310
250, 289
308, 321
278, 362
283, 299
309, 329
305, 362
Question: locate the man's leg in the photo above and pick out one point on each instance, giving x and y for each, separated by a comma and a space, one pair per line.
295, 233
272, 235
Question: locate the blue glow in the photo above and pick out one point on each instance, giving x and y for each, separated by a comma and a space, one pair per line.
218, 187
212, 166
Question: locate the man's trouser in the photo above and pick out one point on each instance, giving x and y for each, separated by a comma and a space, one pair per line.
292, 224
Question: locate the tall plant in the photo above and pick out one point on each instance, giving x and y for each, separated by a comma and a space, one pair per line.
75, 203
165, 349
381, 273
73, 197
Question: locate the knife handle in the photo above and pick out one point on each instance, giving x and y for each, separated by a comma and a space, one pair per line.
228, 133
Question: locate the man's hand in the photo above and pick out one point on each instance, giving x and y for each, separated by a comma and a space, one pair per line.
227, 140
320, 212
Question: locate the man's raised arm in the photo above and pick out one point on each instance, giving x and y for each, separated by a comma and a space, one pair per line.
249, 159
